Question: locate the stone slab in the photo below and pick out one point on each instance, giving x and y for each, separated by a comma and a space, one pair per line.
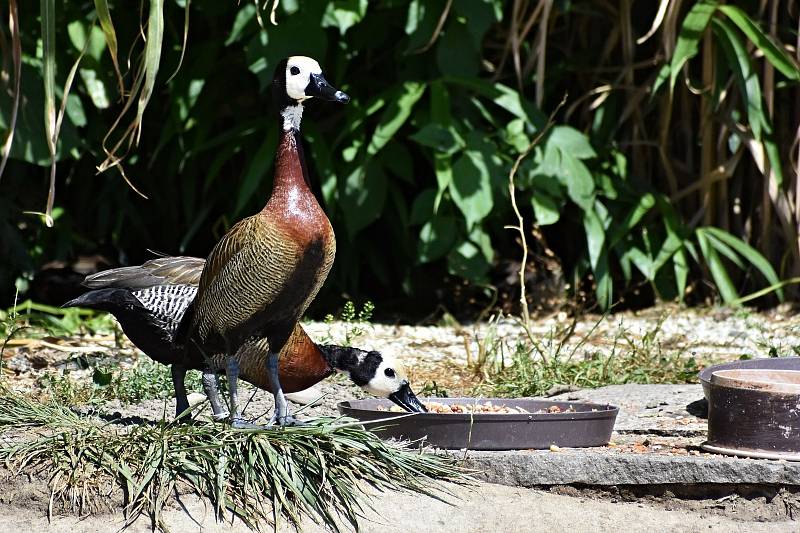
605, 467
670, 410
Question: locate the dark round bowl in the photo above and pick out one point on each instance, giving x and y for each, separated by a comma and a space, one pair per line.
589, 425
753, 414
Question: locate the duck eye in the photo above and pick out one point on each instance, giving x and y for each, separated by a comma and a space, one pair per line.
294, 71
389, 373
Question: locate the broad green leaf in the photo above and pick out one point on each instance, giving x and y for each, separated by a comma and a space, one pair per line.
773, 52
752, 255
739, 61
436, 238
632, 218
605, 285
642, 261
718, 272
504, 97
344, 14
440, 138
422, 209
681, 266
245, 17
363, 197
595, 236
471, 187
546, 209
694, 24
77, 35
260, 162
467, 261
395, 115
416, 10
456, 54
571, 141
722, 248
578, 180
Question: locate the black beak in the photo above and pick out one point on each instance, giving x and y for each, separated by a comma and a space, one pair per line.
406, 399
319, 87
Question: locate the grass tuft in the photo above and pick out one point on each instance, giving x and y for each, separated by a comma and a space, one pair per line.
545, 365
320, 471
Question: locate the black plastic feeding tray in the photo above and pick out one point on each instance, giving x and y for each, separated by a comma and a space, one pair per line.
754, 408
588, 425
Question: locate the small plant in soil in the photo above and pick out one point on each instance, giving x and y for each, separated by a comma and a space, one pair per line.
321, 470
144, 380
355, 322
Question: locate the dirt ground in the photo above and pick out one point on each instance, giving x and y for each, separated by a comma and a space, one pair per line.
481, 508
441, 353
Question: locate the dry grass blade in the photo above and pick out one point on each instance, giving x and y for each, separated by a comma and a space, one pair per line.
152, 58
520, 227
318, 471
104, 16
185, 38
660, 14
141, 91
48, 19
16, 54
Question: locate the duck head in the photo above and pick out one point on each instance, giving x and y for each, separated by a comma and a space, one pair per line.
297, 79
378, 374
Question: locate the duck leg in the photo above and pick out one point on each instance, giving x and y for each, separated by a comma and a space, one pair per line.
232, 372
178, 383
281, 415
211, 388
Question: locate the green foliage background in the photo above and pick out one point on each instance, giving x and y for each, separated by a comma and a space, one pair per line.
662, 171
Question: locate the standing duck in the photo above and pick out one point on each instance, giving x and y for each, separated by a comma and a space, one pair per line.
261, 277
149, 302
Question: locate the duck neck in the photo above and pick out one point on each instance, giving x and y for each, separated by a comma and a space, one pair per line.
342, 358
290, 183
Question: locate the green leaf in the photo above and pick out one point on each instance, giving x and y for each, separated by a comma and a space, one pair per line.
681, 267
752, 255
504, 97
456, 54
467, 261
471, 187
646, 202
422, 209
718, 272
546, 209
245, 17
344, 14
443, 139
739, 61
773, 52
436, 238
689, 36
395, 115
104, 16
578, 180
571, 141
595, 236
363, 197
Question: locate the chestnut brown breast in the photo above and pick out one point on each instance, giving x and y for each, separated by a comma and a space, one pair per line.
263, 274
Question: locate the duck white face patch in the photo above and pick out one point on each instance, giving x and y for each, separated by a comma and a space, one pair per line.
388, 378
298, 75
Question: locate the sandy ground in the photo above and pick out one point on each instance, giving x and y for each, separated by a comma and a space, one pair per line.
720, 334
483, 508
